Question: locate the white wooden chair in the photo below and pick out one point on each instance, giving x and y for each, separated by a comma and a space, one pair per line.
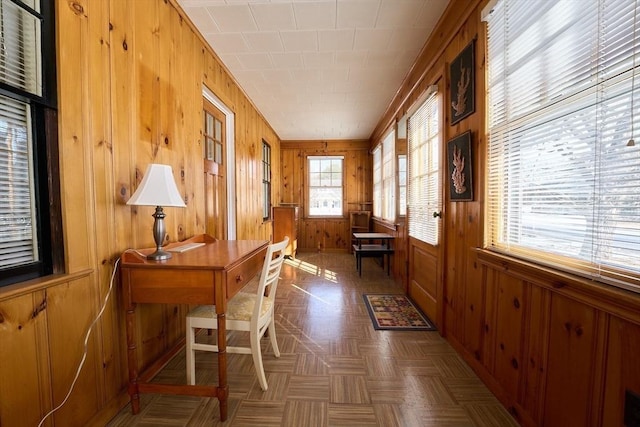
250, 312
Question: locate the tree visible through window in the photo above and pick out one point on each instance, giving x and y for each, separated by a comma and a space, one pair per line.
325, 185
562, 177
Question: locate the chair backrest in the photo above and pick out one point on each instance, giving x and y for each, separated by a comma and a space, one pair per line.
273, 261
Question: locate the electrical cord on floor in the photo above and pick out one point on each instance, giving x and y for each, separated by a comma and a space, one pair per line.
86, 340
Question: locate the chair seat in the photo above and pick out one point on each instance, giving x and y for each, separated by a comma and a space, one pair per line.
240, 307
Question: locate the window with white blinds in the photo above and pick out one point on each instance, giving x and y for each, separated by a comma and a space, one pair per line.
389, 177
27, 120
563, 172
18, 243
402, 184
424, 189
20, 51
384, 179
377, 181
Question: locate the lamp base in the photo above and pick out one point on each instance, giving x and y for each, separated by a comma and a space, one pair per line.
159, 234
159, 255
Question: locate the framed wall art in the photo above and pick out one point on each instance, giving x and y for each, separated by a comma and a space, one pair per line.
462, 89
460, 161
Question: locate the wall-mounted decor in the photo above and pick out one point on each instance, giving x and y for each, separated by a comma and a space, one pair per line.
462, 90
460, 163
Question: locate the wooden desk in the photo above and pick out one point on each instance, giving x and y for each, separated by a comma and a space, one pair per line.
210, 274
372, 250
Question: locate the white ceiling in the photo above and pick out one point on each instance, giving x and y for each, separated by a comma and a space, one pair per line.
317, 69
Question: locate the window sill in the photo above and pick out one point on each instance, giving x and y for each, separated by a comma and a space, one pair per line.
616, 301
385, 224
327, 217
41, 283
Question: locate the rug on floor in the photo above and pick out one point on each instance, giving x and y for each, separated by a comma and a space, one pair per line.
396, 312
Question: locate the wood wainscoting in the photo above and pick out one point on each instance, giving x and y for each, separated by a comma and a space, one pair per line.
556, 349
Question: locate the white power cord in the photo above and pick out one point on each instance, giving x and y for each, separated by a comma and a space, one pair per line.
86, 340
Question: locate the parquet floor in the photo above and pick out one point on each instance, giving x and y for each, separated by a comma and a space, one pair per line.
334, 369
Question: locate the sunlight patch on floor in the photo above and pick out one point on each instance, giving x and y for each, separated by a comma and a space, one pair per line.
293, 285
312, 269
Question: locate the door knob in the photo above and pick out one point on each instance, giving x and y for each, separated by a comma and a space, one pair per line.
437, 214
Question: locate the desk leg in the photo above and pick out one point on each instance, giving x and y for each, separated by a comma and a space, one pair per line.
132, 358
223, 387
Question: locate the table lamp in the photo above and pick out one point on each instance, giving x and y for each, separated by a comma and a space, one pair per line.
158, 188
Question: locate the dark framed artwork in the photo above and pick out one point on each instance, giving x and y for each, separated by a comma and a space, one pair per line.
460, 161
462, 90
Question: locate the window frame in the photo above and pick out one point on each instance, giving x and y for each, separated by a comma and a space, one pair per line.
311, 158
401, 208
385, 181
266, 181
377, 181
591, 112
45, 156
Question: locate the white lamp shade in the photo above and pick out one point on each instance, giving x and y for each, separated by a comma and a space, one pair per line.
158, 188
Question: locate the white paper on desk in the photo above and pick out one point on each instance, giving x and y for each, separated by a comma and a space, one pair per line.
185, 247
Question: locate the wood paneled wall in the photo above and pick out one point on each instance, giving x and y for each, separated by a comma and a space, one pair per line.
325, 234
130, 84
555, 349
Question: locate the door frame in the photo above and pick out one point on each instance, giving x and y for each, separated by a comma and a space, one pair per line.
230, 150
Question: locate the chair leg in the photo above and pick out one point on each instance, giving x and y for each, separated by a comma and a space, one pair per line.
190, 355
256, 352
272, 337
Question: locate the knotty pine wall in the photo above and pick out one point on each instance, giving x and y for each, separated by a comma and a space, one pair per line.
130, 82
325, 234
555, 349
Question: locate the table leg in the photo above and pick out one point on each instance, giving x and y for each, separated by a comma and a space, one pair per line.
223, 387
132, 357
388, 264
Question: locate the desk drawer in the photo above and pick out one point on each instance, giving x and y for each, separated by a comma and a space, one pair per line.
180, 286
242, 273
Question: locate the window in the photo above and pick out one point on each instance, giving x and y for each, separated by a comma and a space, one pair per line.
377, 181
402, 184
389, 177
213, 133
30, 244
266, 180
384, 179
425, 193
562, 178
325, 185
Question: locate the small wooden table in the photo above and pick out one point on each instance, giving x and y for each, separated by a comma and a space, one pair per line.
372, 250
209, 274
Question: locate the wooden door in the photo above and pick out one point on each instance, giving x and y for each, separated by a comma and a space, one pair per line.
215, 175
424, 182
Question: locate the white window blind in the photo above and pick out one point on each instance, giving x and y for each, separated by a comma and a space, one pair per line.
325, 185
563, 103
389, 177
18, 242
424, 189
402, 184
20, 53
377, 181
